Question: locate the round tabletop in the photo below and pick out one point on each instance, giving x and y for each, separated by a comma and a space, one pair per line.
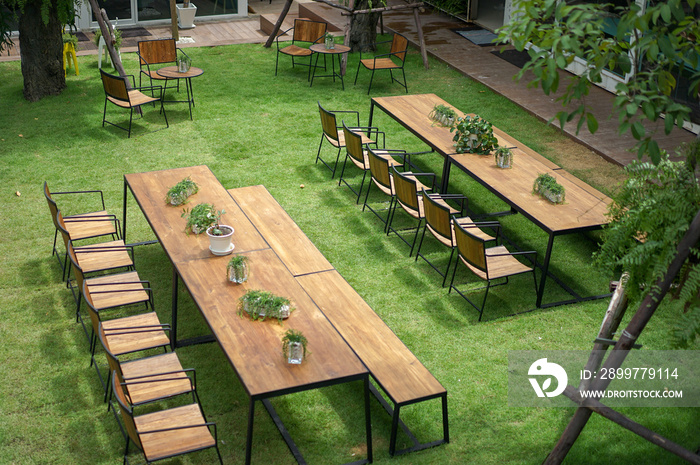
321, 48
171, 72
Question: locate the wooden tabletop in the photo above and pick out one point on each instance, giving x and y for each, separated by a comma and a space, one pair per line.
254, 348
172, 72
321, 48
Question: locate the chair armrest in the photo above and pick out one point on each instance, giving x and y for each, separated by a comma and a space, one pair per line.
102, 197
355, 112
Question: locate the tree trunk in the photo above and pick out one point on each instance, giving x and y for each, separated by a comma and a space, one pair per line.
363, 28
41, 51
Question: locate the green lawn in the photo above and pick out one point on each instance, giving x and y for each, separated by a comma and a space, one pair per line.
251, 127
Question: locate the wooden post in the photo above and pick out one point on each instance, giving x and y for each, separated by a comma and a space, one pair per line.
173, 21
421, 39
627, 339
278, 25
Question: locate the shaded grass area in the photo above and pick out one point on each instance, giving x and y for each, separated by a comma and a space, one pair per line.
252, 128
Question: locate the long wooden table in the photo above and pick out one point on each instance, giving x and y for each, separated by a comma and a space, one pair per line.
585, 207
253, 348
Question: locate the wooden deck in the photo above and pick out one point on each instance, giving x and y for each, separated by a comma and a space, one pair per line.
442, 43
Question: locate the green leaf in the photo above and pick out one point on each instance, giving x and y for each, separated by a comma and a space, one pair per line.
592, 123
637, 130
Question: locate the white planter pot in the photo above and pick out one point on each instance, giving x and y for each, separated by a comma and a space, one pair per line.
221, 245
185, 16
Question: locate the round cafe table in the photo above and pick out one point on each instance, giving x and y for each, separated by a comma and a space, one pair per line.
172, 73
338, 50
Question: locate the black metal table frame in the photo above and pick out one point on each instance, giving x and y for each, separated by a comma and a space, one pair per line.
188, 88
333, 73
265, 399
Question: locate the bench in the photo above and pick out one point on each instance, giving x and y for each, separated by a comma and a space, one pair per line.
397, 371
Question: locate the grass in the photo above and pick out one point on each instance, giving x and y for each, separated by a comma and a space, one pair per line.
253, 128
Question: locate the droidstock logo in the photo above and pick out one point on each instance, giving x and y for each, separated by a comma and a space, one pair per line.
542, 368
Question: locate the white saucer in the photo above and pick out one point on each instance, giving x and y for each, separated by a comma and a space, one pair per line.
230, 249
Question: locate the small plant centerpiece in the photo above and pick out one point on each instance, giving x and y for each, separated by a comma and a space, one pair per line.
443, 115
474, 135
548, 187
178, 194
183, 63
329, 41
504, 157
200, 217
220, 238
294, 346
263, 304
237, 269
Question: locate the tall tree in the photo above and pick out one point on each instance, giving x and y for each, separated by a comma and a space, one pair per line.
363, 27
41, 51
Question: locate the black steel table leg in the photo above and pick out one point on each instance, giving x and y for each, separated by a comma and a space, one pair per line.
545, 268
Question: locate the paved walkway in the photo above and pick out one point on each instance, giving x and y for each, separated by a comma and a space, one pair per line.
476, 62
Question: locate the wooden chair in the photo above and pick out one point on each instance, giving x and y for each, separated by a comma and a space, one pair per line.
489, 264
149, 379
154, 54
410, 198
94, 258
440, 220
165, 433
116, 92
357, 152
97, 223
382, 178
394, 60
306, 33
332, 134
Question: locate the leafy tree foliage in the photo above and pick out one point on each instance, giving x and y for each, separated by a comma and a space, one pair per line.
656, 44
650, 215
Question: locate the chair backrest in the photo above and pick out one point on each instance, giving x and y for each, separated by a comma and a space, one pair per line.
406, 191
437, 216
353, 145
379, 168
399, 46
471, 247
77, 270
114, 365
126, 410
328, 123
61, 226
154, 52
92, 311
115, 86
53, 207
308, 31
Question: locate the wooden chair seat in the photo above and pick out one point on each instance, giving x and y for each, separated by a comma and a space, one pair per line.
116, 290
339, 141
379, 63
151, 383
157, 446
295, 50
499, 266
97, 224
136, 98
103, 256
450, 242
135, 333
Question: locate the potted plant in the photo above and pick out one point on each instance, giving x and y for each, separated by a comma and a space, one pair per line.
183, 63
504, 157
185, 14
548, 187
263, 304
200, 217
237, 269
177, 195
474, 135
220, 239
444, 115
294, 346
330, 44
